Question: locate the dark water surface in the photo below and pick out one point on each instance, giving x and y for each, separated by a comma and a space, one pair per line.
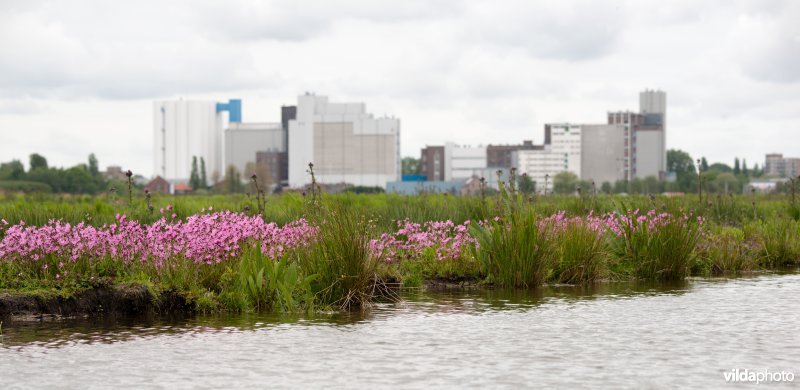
617, 335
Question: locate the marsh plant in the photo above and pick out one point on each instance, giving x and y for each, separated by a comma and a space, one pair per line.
280, 285
515, 251
780, 240
345, 268
656, 246
728, 251
581, 254
328, 251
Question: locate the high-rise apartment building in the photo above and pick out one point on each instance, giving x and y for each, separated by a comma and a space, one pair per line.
630, 145
344, 142
561, 154
777, 165
644, 136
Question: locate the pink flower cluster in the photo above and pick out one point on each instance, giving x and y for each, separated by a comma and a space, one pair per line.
211, 238
446, 239
616, 222
652, 220
203, 238
560, 222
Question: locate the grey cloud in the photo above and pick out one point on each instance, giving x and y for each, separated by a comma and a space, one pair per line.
46, 59
568, 30
773, 55
779, 61
294, 21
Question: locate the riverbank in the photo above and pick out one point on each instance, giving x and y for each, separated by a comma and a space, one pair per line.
340, 256
123, 299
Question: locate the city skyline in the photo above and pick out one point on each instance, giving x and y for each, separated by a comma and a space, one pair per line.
731, 71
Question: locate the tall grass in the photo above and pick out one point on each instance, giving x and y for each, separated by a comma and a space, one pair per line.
338, 270
582, 255
657, 251
728, 250
516, 251
780, 241
346, 272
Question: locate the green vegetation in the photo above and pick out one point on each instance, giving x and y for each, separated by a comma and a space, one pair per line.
524, 240
515, 251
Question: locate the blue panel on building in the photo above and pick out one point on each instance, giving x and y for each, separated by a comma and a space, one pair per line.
234, 108
420, 187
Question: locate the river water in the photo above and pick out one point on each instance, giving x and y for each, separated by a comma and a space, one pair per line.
614, 335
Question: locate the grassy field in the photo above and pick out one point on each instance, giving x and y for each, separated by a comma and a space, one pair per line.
352, 246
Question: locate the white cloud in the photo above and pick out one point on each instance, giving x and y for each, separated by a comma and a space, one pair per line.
79, 77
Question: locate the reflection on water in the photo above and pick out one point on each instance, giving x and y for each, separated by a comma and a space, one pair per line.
50, 332
604, 335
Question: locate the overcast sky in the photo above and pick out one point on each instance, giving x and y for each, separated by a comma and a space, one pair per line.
80, 76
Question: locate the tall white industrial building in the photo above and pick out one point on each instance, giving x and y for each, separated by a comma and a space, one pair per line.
184, 129
345, 143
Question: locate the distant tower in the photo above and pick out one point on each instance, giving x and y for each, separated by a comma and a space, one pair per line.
653, 102
653, 107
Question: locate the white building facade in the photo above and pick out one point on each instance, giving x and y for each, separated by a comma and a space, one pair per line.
345, 143
462, 162
561, 154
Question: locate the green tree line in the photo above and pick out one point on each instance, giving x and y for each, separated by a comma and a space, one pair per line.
79, 179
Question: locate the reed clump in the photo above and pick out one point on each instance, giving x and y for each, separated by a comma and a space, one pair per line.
516, 251
345, 270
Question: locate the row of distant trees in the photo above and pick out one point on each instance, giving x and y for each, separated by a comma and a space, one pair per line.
86, 178
717, 178
80, 179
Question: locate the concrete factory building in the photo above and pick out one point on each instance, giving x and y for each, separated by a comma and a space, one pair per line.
345, 143
184, 129
644, 136
243, 141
